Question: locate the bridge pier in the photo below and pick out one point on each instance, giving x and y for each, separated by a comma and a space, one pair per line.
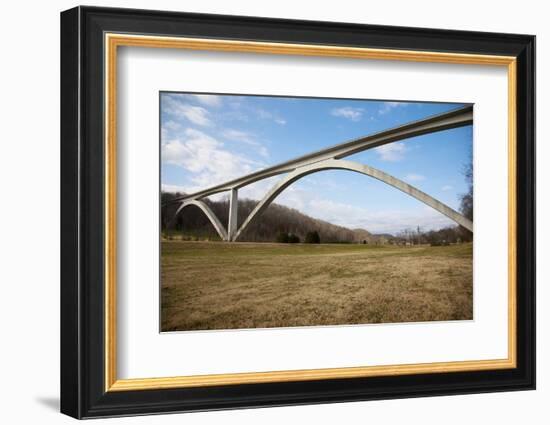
232, 224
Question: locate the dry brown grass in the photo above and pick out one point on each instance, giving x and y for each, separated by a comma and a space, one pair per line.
215, 285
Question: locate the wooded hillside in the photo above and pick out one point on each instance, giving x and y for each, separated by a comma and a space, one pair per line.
274, 220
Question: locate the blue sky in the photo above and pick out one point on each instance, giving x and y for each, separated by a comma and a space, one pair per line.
208, 139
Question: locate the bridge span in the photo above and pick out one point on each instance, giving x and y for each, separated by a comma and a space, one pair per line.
330, 159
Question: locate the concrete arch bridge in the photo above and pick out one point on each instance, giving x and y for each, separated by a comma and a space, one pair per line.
330, 159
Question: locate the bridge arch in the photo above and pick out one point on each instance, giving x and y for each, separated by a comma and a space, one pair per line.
339, 164
209, 214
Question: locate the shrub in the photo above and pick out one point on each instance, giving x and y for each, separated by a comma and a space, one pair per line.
312, 237
282, 237
292, 238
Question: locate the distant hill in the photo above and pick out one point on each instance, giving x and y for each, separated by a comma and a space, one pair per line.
364, 236
360, 235
274, 220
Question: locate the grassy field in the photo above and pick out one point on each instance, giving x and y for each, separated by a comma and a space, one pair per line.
216, 285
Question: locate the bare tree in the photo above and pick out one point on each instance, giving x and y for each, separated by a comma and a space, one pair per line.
467, 199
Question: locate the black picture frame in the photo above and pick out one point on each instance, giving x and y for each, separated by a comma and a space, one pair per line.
83, 392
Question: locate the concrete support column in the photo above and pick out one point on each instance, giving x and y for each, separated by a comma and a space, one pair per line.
232, 225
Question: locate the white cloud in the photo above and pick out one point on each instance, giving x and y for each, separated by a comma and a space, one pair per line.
262, 113
394, 221
235, 115
266, 115
339, 213
172, 188
391, 152
412, 177
196, 114
259, 189
168, 128
353, 114
351, 216
205, 158
307, 201
389, 106
446, 188
239, 136
171, 125
209, 99
324, 181
247, 138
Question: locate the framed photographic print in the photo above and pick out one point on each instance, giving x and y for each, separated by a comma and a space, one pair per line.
261, 212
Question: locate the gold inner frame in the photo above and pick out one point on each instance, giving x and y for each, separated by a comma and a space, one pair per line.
113, 41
